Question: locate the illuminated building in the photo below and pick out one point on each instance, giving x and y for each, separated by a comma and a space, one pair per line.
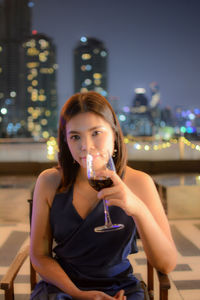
155, 110
140, 120
140, 101
40, 86
90, 66
15, 23
28, 99
167, 117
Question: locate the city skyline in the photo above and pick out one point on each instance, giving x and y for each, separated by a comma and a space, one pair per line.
146, 42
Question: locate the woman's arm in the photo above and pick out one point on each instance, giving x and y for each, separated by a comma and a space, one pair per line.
41, 239
138, 197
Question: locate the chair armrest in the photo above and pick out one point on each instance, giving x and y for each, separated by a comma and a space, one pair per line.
7, 281
163, 280
164, 283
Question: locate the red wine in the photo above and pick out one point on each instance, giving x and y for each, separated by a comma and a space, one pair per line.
99, 184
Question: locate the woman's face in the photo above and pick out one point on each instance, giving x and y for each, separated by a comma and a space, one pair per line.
88, 131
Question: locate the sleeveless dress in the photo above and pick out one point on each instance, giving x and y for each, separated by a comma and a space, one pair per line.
93, 261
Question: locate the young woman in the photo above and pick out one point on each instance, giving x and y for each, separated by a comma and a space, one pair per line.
66, 209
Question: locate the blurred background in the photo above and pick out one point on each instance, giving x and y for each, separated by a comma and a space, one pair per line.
143, 56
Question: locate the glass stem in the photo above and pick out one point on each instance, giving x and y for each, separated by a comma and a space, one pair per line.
108, 222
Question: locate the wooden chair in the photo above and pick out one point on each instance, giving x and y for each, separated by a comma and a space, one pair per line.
7, 282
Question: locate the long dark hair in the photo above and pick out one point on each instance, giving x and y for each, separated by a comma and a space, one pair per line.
80, 103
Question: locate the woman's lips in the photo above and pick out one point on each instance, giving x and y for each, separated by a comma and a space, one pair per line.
94, 157
83, 158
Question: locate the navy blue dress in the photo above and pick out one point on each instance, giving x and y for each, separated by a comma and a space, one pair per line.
93, 261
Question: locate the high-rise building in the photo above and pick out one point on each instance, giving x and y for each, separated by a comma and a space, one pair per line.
140, 119
2, 22
17, 19
90, 66
155, 110
140, 101
16, 24
19, 51
39, 71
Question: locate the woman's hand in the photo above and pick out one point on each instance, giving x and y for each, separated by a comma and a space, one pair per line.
97, 295
120, 295
120, 195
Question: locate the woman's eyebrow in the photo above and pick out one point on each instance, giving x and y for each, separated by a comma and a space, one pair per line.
90, 129
97, 127
72, 132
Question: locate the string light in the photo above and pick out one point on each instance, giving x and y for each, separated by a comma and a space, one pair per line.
159, 145
52, 146
190, 144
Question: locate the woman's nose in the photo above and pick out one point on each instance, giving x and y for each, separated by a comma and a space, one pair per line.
86, 144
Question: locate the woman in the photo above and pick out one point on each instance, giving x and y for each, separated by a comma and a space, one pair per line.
89, 265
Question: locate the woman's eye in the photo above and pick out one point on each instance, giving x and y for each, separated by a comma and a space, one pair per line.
74, 137
96, 133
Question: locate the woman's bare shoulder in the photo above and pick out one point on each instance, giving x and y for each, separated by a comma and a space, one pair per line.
50, 177
137, 178
141, 184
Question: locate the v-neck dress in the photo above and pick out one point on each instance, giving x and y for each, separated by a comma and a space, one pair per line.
93, 261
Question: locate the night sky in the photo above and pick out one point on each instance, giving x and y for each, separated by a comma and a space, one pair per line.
147, 40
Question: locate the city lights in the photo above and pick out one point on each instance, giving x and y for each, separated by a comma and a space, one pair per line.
140, 91
83, 39
90, 66
40, 72
34, 32
32, 96
13, 94
4, 111
86, 56
31, 4
52, 146
8, 101
122, 118
103, 53
147, 118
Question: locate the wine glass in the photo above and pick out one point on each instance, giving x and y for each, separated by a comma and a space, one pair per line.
98, 161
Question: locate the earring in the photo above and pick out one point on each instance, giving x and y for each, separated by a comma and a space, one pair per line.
114, 153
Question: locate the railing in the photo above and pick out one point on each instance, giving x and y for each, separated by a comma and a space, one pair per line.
27, 150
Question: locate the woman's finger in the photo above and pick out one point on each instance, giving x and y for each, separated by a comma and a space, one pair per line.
119, 295
109, 173
107, 192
